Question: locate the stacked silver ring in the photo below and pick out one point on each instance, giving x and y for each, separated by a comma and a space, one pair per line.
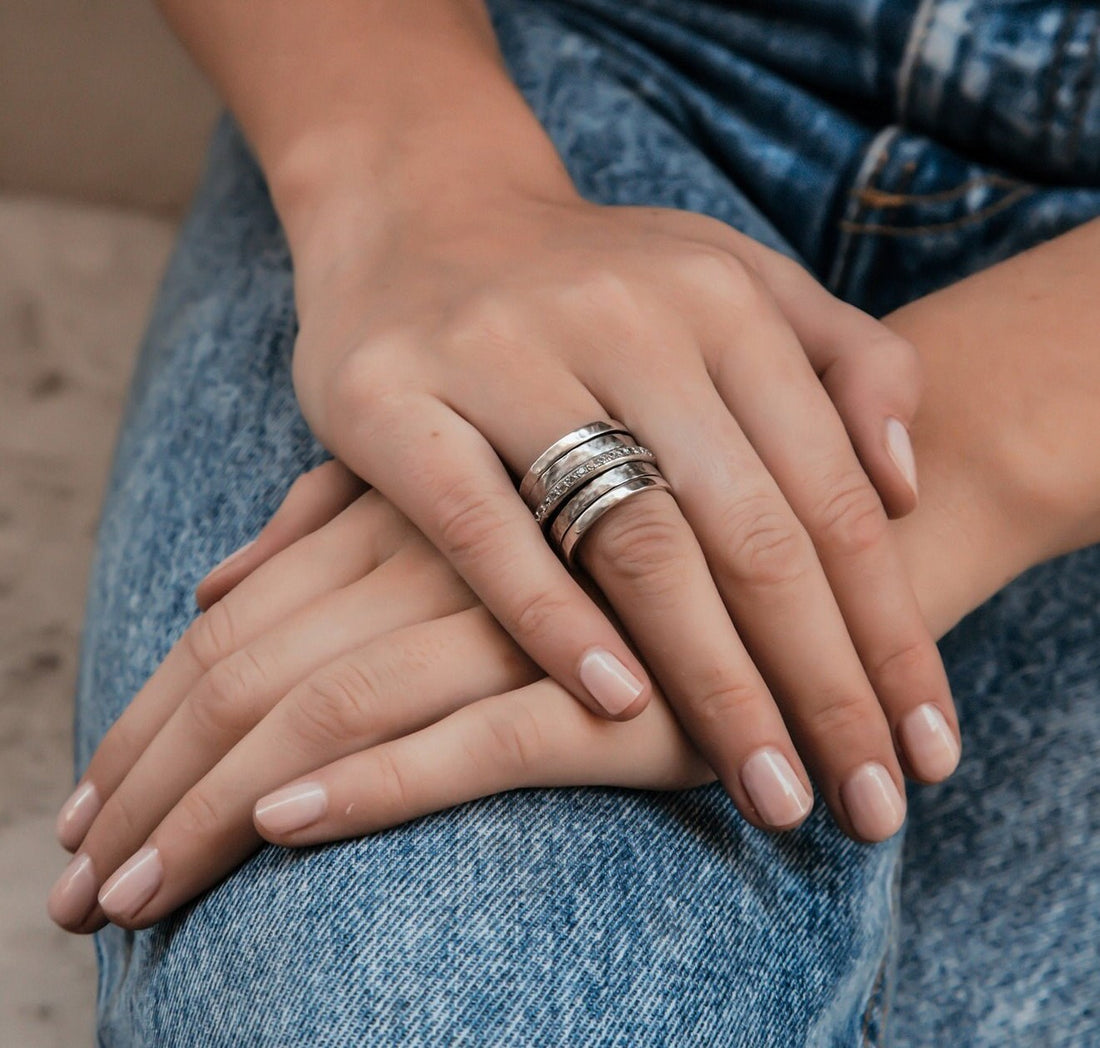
580, 477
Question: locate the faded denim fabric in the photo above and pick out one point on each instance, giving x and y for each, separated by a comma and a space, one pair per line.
893, 147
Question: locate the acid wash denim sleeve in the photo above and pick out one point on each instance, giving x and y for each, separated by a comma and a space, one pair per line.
892, 147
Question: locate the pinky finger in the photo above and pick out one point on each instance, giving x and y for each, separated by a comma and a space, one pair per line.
312, 501
536, 736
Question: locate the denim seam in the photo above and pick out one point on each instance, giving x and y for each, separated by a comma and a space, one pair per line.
940, 227
884, 199
870, 168
868, 1012
918, 33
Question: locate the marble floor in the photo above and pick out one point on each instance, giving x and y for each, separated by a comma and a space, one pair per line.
75, 286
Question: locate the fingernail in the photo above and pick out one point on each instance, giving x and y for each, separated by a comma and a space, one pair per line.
133, 884
873, 802
292, 808
901, 450
929, 743
231, 558
608, 681
774, 789
73, 894
77, 815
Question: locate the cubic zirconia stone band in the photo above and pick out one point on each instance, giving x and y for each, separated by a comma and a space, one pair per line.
582, 476
562, 446
600, 463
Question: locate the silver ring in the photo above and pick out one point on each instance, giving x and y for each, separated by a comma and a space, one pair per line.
577, 467
609, 500
582, 476
564, 445
595, 489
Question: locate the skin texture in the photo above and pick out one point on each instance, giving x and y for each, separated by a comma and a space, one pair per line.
341, 653
440, 351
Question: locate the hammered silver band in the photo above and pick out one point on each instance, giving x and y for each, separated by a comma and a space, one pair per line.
582, 476
609, 500
562, 446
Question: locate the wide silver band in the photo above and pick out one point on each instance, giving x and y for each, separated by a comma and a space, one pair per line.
594, 490
582, 476
575, 468
608, 501
562, 446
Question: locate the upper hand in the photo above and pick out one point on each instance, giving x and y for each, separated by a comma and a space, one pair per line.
767, 597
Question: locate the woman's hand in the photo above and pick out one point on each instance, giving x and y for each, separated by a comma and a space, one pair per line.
766, 597
1005, 490
462, 307
357, 641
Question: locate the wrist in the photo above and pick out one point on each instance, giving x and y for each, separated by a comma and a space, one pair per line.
995, 497
339, 189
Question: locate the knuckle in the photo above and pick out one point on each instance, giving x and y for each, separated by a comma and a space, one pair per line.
339, 703
224, 701
764, 545
489, 317
470, 520
540, 615
515, 740
197, 816
851, 519
642, 546
713, 270
901, 354
610, 303
842, 714
365, 388
394, 786
896, 671
724, 702
212, 636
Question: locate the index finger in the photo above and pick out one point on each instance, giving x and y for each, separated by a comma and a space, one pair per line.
359, 539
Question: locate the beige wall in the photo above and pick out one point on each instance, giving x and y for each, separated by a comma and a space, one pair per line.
98, 102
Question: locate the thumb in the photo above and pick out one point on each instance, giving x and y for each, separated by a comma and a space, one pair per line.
872, 375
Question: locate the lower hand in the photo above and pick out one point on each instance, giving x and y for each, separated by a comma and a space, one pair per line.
357, 654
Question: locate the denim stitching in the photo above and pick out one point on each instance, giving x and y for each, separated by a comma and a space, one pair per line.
941, 227
874, 161
922, 24
868, 1012
884, 199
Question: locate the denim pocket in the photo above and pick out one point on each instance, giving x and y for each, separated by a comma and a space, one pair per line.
921, 216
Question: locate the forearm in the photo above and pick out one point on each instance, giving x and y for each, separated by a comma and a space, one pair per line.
1008, 434
369, 109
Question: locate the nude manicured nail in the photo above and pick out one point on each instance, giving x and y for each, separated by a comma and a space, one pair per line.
133, 884
232, 557
292, 808
873, 802
901, 451
608, 681
774, 789
73, 894
929, 743
77, 815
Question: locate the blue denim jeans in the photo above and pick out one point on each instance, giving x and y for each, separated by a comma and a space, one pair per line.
893, 147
